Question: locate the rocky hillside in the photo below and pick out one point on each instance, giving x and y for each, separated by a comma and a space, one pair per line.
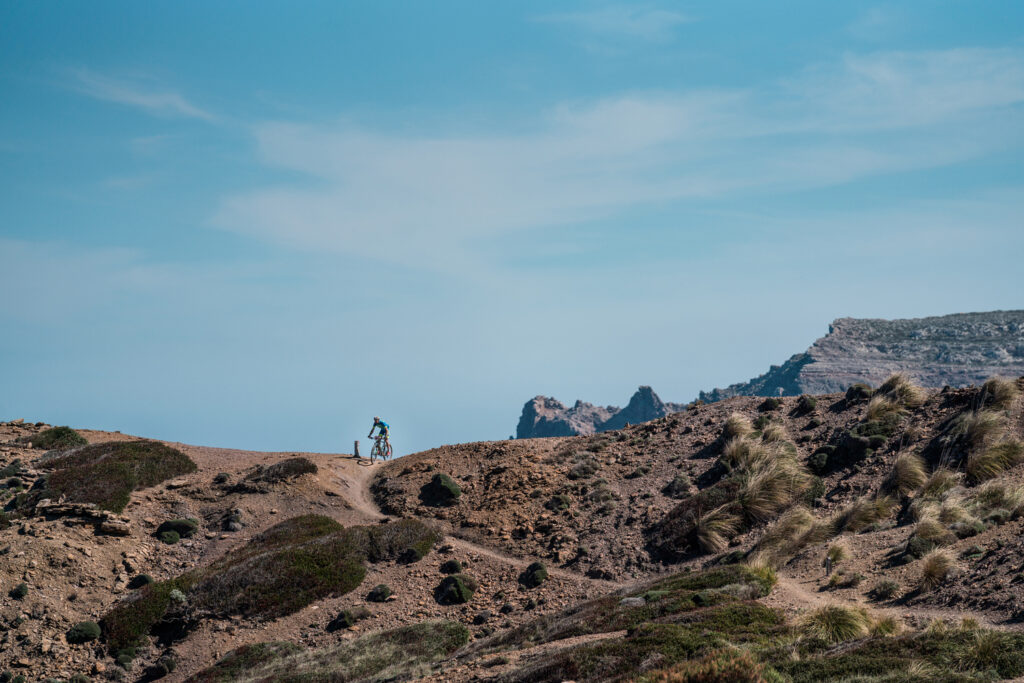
874, 534
544, 416
951, 350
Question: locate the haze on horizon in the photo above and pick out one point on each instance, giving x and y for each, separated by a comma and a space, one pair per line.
257, 225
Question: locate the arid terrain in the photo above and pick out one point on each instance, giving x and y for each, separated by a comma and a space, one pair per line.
874, 533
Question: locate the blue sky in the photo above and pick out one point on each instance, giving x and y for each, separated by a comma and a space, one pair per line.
259, 224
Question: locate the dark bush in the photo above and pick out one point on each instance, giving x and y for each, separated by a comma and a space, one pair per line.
769, 404
456, 589
15, 468
814, 493
347, 618
761, 422
814, 423
883, 590
806, 404
859, 392
19, 591
558, 503
440, 490
380, 593
286, 470
107, 473
584, 468
185, 528
534, 575
221, 478
451, 567
169, 537
83, 632
140, 580
238, 662
56, 439
405, 540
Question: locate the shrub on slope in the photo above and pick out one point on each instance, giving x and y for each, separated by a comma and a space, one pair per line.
107, 473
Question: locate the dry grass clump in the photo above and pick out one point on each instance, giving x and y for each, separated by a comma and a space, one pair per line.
994, 460
882, 407
715, 528
862, 513
769, 488
976, 429
999, 392
995, 497
737, 427
740, 454
899, 389
783, 539
941, 481
931, 530
886, 626
936, 567
837, 623
774, 433
908, 474
837, 552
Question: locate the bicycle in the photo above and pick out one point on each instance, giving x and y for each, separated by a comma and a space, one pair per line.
382, 448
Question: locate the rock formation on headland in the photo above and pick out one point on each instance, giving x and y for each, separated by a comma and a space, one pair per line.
956, 350
544, 416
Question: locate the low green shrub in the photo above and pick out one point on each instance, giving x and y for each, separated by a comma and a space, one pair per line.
534, 575
57, 439
83, 632
19, 592
678, 487
169, 537
451, 567
558, 503
837, 623
244, 659
456, 589
347, 618
379, 593
107, 473
441, 490
859, 392
769, 404
806, 404
185, 528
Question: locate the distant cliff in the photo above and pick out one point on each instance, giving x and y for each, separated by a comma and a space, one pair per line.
544, 416
958, 350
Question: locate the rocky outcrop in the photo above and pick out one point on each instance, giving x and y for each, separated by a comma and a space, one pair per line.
956, 350
545, 416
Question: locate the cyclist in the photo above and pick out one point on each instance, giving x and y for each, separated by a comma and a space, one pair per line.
384, 433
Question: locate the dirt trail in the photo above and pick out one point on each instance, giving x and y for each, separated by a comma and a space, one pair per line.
793, 595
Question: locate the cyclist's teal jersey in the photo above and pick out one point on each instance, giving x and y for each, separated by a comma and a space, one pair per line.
385, 428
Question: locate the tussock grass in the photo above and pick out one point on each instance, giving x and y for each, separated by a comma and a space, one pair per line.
737, 426
862, 513
774, 433
999, 393
881, 408
899, 389
994, 460
941, 481
783, 538
742, 454
936, 567
715, 528
837, 552
770, 488
837, 623
976, 429
886, 626
909, 473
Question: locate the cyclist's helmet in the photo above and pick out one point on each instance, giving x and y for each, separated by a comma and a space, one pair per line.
376, 419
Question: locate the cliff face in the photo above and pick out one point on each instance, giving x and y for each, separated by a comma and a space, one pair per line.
544, 416
956, 350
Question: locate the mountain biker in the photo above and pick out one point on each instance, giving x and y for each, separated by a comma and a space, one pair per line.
384, 427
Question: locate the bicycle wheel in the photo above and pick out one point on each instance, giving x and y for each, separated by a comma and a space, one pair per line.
388, 451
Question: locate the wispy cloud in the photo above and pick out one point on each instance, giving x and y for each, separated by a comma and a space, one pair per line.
622, 21
427, 200
151, 99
